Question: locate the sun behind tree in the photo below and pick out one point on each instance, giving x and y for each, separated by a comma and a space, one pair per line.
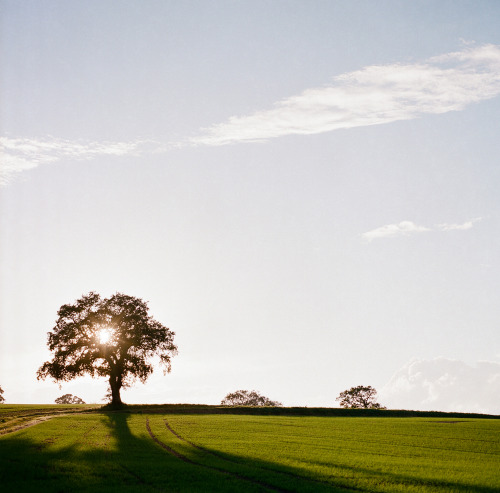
112, 337
105, 335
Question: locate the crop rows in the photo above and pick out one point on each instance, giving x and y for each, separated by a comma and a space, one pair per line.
126, 452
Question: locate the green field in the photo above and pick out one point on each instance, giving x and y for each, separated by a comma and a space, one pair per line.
84, 448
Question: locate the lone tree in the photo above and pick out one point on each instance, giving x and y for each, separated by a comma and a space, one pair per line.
2, 398
248, 398
359, 398
69, 399
107, 337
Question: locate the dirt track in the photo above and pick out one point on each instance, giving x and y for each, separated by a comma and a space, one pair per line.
26, 424
12, 421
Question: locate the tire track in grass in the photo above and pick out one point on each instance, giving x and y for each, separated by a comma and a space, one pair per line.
268, 469
211, 452
213, 468
83, 438
166, 447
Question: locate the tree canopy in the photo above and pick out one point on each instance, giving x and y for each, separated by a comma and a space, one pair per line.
248, 398
107, 337
359, 398
2, 398
69, 399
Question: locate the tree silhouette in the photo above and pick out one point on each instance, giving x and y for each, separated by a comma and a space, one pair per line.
248, 398
2, 398
111, 337
69, 399
359, 398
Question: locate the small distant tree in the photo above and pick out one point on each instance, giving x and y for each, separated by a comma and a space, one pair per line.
2, 398
359, 398
107, 337
248, 398
69, 399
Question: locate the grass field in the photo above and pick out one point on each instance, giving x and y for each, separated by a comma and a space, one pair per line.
84, 448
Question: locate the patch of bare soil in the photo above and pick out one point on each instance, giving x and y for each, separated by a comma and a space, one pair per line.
24, 424
20, 419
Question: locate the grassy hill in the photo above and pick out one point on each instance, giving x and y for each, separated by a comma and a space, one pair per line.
190, 448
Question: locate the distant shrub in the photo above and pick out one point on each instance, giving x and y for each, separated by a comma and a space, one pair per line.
2, 398
69, 399
248, 398
359, 398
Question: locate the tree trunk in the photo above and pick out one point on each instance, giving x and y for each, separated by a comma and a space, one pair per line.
115, 385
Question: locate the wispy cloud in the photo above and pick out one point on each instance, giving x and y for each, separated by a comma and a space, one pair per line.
371, 96
463, 226
21, 154
406, 228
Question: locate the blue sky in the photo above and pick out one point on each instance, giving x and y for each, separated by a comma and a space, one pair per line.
305, 192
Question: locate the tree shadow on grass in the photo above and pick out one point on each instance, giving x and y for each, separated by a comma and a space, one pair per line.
342, 478
110, 452
100, 454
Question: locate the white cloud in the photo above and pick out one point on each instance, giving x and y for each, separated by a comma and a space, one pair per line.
405, 228
21, 154
443, 384
371, 96
461, 227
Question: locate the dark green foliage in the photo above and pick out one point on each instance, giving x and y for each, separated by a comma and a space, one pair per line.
298, 411
69, 399
133, 339
359, 398
248, 398
2, 398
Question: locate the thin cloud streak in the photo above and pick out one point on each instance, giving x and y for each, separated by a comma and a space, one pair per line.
21, 154
406, 228
371, 96
460, 227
